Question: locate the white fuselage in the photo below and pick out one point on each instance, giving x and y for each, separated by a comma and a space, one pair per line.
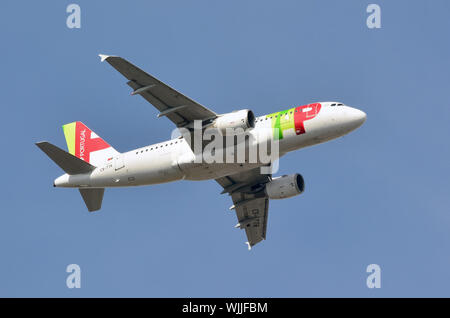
174, 159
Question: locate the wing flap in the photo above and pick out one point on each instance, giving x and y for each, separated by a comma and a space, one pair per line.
160, 95
250, 202
252, 216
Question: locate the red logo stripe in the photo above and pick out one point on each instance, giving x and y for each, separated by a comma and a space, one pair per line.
84, 145
300, 116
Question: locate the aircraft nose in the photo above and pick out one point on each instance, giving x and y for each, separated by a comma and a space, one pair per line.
357, 117
360, 116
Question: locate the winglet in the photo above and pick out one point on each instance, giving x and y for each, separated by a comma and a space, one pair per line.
103, 57
249, 246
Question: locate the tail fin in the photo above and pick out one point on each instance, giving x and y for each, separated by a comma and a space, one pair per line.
70, 164
87, 145
93, 198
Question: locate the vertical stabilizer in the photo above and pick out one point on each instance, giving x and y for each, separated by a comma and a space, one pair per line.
85, 144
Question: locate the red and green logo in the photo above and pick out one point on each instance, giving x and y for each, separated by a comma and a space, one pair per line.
81, 141
293, 118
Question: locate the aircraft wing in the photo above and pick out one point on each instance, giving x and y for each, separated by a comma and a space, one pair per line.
180, 109
250, 202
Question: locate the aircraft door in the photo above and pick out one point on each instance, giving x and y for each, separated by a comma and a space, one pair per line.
119, 162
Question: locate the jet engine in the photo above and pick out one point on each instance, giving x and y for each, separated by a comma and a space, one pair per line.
285, 186
235, 122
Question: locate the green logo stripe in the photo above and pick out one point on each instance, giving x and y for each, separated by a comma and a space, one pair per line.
69, 133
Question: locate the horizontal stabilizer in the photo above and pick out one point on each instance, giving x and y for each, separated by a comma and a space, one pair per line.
70, 164
93, 198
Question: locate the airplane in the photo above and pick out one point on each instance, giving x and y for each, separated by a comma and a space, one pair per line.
91, 164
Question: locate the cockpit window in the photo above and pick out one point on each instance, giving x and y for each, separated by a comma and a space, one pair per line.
333, 104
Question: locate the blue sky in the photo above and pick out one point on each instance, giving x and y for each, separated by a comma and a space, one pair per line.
378, 195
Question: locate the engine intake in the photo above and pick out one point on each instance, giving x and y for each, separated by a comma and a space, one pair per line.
285, 186
234, 123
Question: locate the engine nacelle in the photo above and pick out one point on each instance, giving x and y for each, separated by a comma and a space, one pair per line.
242, 120
285, 186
